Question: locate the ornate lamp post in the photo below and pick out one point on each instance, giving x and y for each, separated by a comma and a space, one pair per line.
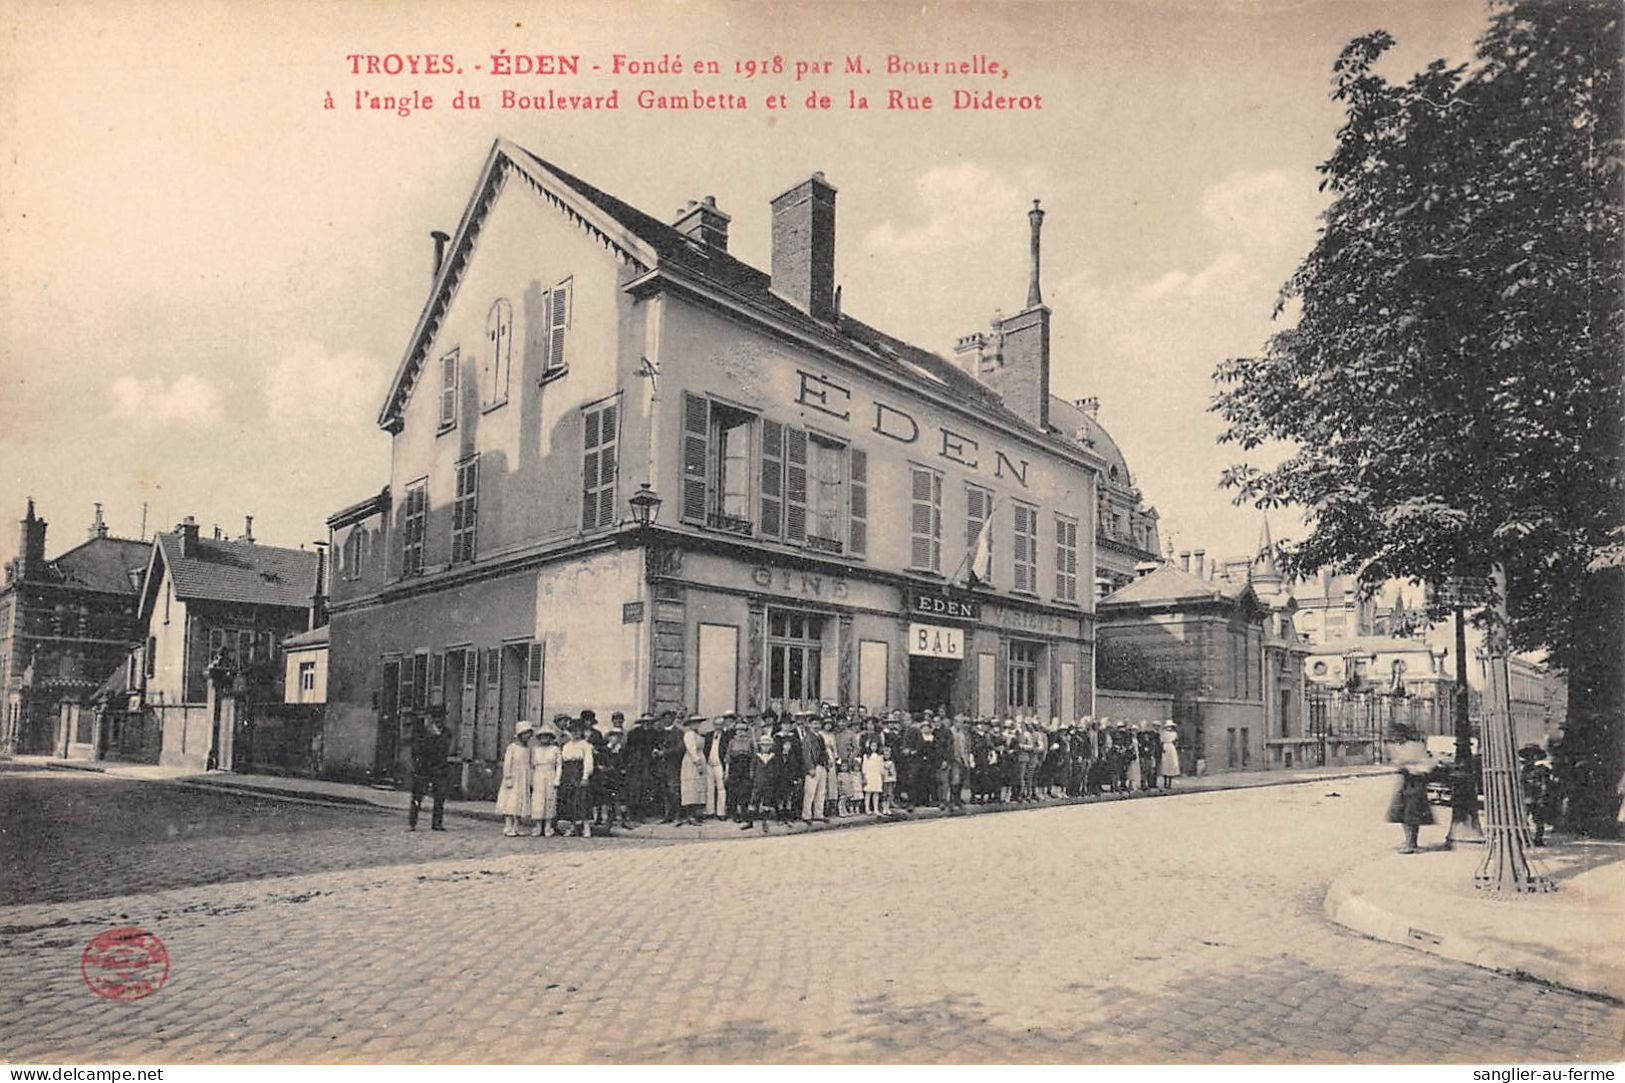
645, 510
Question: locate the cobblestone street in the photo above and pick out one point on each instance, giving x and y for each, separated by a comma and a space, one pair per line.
1182, 929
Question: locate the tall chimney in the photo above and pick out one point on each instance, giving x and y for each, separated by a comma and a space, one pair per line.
32, 552
803, 265
98, 526
704, 222
1035, 296
186, 532
248, 529
440, 239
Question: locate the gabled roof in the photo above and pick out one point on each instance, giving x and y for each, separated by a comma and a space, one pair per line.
361, 509
648, 243
1169, 585
100, 564
244, 573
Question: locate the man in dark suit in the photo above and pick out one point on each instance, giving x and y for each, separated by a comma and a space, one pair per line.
671, 751
431, 749
638, 763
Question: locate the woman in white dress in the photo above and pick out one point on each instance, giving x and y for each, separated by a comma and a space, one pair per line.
1170, 754
545, 769
513, 799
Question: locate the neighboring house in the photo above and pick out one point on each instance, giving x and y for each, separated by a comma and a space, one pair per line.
822, 485
1126, 535
1231, 660
208, 599
64, 624
305, 671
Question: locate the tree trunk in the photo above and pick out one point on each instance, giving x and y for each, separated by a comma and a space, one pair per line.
1591, 755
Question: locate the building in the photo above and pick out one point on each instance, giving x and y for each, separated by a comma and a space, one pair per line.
305, 667
64, 624
1229, 662
821, 487
212, 601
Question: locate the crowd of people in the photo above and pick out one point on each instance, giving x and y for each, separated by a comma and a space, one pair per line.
574, 773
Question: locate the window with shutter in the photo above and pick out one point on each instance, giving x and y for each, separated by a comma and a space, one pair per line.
772, 479
858, 515
600, 438
415, 516
795, 485
696, 456
494, 366
464, 509
1066, 559
1024, 553
448, 391
925, 519
533, 681
558, 323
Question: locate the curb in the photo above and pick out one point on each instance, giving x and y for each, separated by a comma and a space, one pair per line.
1346, 905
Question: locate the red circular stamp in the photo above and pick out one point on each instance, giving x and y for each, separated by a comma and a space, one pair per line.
126, 963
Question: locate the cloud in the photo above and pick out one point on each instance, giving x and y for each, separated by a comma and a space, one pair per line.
1271, 211
958, 206
187, 400
309, 384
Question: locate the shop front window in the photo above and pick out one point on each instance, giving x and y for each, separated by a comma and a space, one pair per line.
795, 657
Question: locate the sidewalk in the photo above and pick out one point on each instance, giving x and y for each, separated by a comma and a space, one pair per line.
348, 793
1573, 937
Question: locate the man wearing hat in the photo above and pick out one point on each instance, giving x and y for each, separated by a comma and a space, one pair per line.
431, 749
670, 749
814, 766
740, 752
637, 764
716, 764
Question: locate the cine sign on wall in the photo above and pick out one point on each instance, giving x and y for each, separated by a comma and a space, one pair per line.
936, 641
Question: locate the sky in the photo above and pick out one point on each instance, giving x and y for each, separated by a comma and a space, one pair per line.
207, 279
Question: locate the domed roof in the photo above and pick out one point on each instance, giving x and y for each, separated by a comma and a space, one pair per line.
1070, 419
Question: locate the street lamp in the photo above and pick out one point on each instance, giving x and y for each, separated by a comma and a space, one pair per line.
645, 505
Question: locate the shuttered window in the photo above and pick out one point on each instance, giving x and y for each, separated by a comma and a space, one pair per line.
696, 456
772, 502
448, 390
416, 518
1066, 559
464, 509
858, 518
925, 519
494, 366
599, 460
978, 506
557, 315
1024, 553
534, 668
795, 485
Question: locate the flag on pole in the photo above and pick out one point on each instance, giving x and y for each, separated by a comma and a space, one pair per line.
981, 556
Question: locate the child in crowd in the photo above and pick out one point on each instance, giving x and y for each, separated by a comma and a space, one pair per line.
874, 778
888, 790
544, 782
513, 799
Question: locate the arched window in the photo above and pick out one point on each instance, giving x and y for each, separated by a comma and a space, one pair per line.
498, 354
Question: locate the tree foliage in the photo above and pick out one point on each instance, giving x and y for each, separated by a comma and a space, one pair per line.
1451, 391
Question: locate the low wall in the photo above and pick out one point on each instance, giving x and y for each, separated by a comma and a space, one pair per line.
1220, 716
349, 741
188, 730
1133, 706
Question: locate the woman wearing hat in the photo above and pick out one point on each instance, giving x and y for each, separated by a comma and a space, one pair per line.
513, 799
691, 781
544, 780
1169, 766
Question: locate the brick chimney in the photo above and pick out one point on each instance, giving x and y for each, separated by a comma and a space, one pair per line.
1185, 561
31, 554
704, 222
248, 530
1021, 375
98, 526
186, 534
803, 265
1199, 560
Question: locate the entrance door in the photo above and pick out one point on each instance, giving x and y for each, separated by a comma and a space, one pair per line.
388, 715
931, 683
718, 665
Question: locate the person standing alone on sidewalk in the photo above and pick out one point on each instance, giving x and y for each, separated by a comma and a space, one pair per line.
1409, 806
430, 751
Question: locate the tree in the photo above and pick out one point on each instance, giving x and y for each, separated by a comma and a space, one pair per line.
1451, 393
